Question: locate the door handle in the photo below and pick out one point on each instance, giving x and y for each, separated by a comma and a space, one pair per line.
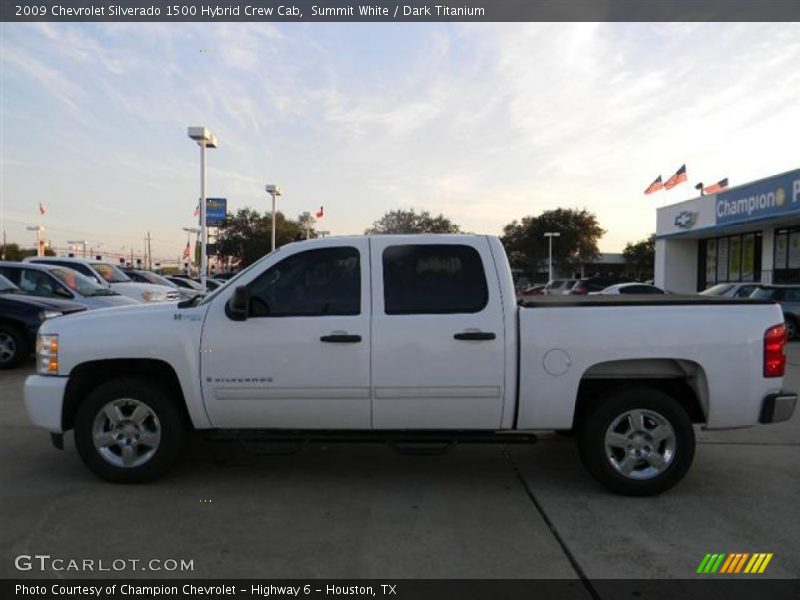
340, 338
477, 336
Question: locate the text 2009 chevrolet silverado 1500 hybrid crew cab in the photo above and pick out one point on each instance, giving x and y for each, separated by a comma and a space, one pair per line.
409, 338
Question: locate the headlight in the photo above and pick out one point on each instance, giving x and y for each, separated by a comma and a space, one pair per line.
49, 314
153, 296
47, 354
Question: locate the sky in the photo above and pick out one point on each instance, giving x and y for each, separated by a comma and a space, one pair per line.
485, 123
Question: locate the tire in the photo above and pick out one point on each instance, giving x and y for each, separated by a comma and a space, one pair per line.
644, 460
129, 430
13, 348
791, 327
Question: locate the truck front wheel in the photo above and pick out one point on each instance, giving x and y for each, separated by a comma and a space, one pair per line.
637, 441
129, 430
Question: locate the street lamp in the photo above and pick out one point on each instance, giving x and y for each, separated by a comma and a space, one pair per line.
38, 229
190, 231
81, 242
205, 139
274, 191
550, 235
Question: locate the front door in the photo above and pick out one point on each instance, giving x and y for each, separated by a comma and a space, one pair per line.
301, 358
437, 335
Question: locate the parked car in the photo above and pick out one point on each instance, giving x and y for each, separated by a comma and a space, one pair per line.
595, 284
109, 275
558, 287
150, 277
629, 288
534, 290
48, 281
788, 297
185, 283
20, 318
213, 284
736, 289
409, 338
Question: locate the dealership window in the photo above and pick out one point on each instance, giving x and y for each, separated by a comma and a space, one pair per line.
786, 263
731, 258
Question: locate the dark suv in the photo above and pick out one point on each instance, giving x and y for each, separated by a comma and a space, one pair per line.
596, 284
788, 296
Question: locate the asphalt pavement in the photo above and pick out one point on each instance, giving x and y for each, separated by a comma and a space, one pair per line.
364, 511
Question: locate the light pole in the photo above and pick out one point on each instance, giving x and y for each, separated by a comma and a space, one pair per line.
550, 235
190, 231
274, 191
38, 229
81, 242
205, 139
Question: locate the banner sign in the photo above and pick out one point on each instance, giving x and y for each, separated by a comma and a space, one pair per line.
768, 197
216, 209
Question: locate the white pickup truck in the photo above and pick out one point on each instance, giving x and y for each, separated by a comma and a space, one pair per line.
409, 339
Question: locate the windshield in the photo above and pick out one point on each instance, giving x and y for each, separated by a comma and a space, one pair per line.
763, 293
187, 283
155, 278
717, 290
110, 273
209, 297
6, 286
79, 283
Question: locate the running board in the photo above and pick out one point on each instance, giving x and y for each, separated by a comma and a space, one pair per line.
394, 437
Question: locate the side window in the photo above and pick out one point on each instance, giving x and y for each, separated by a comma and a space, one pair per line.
321, 282
744, 291
36, 283
791, 295
11, 274
433, 279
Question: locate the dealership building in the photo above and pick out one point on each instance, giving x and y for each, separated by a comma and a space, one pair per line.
750, 232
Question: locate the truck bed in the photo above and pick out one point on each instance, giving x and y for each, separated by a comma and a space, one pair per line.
635, 300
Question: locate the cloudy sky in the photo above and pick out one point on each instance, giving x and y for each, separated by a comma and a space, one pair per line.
484, 122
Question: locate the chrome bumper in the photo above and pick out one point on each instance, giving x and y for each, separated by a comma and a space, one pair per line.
778, 407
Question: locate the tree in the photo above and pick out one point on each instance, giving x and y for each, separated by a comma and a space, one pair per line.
408, 221
15, 253
246, 236
527, 248
641, 256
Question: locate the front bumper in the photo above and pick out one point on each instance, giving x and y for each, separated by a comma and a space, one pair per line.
44, 400
778, 407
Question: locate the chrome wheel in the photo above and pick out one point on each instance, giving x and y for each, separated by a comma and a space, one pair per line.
126, 433
640, 444
8, 347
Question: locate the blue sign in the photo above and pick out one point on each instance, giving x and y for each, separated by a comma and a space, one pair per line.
768, 197
216, 209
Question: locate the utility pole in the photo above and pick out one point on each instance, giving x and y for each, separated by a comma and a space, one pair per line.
148, 250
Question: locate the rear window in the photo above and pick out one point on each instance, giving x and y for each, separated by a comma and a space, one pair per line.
764, 293
433, 279
717, 290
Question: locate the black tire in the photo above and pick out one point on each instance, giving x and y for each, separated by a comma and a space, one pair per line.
13, 348
647, 477
791, 327
164, 418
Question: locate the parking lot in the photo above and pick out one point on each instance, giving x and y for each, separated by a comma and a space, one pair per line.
364, 511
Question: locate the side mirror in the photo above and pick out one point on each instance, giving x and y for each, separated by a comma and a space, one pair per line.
238, 307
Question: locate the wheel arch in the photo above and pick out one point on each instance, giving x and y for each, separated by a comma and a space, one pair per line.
87, 376
683, 380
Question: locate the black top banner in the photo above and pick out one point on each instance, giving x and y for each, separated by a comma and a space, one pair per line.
407, 11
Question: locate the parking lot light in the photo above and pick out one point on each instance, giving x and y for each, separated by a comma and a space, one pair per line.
205, 139
274, 191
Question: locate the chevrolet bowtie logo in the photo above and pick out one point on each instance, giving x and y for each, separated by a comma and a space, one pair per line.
686, 219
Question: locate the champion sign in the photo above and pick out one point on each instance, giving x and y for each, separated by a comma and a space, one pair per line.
773, 196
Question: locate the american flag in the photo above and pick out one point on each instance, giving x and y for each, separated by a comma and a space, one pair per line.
186, 251
42, 208
679, 177
717, 187
320, 213
655, 186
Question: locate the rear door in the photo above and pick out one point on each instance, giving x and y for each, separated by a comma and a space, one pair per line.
437, 331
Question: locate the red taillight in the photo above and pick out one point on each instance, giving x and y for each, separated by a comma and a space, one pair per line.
775, 351
580, 289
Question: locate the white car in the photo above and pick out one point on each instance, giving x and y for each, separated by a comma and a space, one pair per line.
736, 289
110, 276
628, 288
409, 338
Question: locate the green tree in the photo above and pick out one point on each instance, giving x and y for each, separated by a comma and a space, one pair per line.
409, 221
576, 245
15, 253
246, 236
641, 256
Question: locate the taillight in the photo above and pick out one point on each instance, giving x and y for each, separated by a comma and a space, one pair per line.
580, 289
775, 351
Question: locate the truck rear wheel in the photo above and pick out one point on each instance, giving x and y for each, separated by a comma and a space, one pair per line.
129, 430
637, 441
12, 346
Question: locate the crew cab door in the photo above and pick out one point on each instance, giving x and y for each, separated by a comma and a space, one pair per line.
437, 334
301, 357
